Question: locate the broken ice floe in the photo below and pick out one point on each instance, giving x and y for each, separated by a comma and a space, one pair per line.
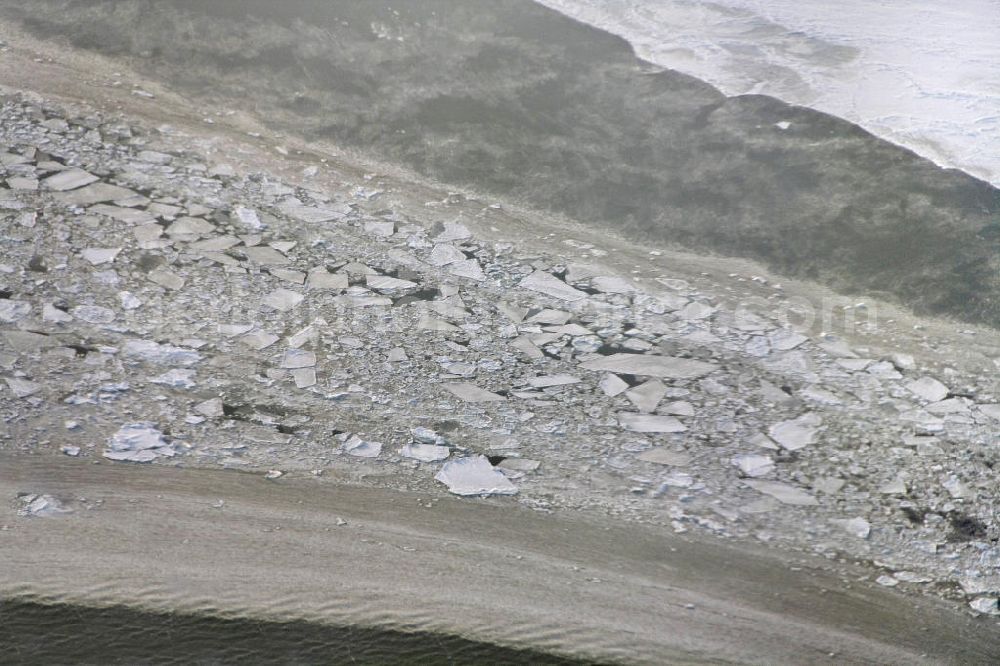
138, 442
474, 476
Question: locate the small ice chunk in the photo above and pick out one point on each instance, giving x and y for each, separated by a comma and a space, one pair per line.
321, 278
190, 226
427, 436
176, 378
474, 476
648, 395
380, 228
453, 231
304, 377
783, 492
150, 351
22, 183
796, 433
53, 314
93, 314
265, 256
469, 268
519, 465
361, 448
955, 488
613, 385
137, 442
248, 218
650, 423
166, 279
696, 311
298, 358
22, 388
233, 330
550, 285
283, 300
912, 577
129, 300
664, 456
754, 465
314, 214
664, 367
70, 179
613, 285
546, 381
387, 283
100, 255
444, 254
858, 527
472, 393
259, 340
678, 408
12, 311
895, 487
987, 605
212, 408
785, 340
40, 506
425, 452
928, 389
677, 480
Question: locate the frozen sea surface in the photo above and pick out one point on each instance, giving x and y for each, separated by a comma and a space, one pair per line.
920, 73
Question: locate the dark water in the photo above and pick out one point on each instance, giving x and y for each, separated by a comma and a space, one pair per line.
51, 635
512, 99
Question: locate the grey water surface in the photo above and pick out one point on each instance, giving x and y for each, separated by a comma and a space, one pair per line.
48, 634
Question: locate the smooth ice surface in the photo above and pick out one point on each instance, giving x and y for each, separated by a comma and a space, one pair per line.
474, 476
919, 73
